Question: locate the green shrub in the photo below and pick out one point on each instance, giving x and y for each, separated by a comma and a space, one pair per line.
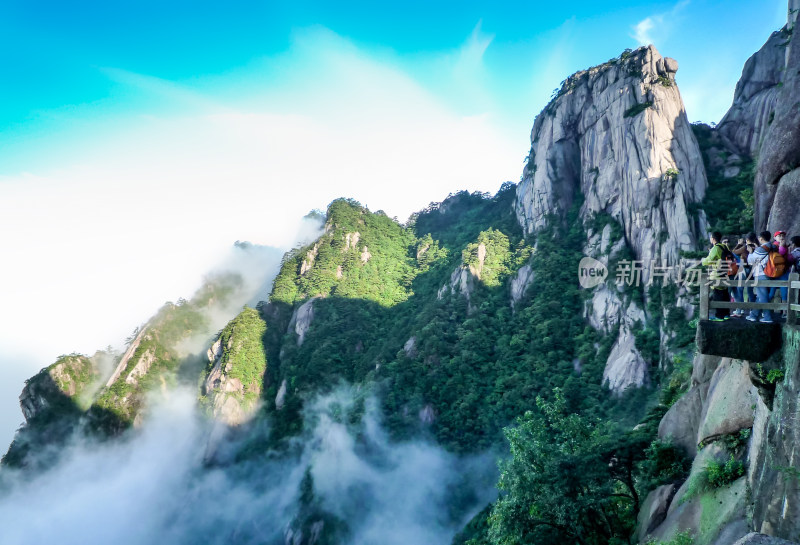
720, 474
774, 375
636, 109
664, 463
665, 81
671, 173
682, 538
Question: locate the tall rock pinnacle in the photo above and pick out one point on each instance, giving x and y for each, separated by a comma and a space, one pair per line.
618, 134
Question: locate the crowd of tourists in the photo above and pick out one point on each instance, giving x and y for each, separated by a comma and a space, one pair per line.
766, 256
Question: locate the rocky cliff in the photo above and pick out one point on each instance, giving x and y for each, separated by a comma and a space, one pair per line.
762, 123
617, 137
739, 423
739, 418
52, 403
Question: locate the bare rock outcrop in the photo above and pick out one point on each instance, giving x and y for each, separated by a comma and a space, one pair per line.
234, 382
309, 259
225, 392
743, 126
365, 255
461, 282
280, 397
351, 241
625, 367
754, 538
729, 403
618, 134
654, 510
410, 347
126, 357
301, 320
520, 283
779, 152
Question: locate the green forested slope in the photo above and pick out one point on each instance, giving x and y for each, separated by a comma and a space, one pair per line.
428, 319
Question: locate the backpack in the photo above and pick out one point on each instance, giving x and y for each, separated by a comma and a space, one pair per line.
728, 262
776, 264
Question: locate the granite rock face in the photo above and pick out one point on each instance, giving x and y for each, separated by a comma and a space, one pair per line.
745, 123
616, 137
520, 283
775, 464
724, 402
301, 320
754, 538
779, 151
654, 509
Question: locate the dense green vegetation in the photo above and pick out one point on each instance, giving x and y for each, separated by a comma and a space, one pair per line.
422, 312
453, 361
682, 538
474, 365
243, 357
636, 109
158, 356
57, 391
723, 473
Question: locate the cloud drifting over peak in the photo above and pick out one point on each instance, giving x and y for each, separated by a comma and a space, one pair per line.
153, 486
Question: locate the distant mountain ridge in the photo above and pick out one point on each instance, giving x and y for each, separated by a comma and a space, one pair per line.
470, 317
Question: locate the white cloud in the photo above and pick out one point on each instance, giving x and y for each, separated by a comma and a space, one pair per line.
656, 28
94, 245
642, 31
153, 487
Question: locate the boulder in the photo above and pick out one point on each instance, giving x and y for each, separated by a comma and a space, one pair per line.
679, 425
654, 509
625, 367
754, 538
729, 405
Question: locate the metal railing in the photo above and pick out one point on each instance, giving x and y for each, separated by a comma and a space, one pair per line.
791, 305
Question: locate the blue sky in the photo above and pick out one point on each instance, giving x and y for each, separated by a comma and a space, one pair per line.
139, 139
56, 56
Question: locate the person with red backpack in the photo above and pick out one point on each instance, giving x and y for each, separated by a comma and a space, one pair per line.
723, 265
768, 264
